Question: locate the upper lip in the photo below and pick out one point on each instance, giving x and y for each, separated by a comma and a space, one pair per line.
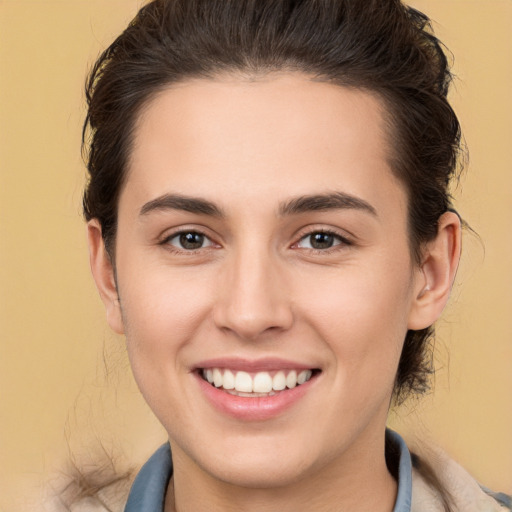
253, 365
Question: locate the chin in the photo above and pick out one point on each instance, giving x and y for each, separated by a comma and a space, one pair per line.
261, 462
266, 473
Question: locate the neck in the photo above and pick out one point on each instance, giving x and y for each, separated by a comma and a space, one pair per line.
352, 482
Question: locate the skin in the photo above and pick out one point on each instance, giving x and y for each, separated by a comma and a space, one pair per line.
257, 289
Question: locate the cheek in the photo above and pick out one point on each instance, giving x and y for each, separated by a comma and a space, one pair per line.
165, 303
361, 313
162, 312
160, 319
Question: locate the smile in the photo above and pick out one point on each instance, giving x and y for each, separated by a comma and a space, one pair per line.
255, 390
263, 383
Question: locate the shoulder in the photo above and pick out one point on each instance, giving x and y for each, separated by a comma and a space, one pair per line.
466, 494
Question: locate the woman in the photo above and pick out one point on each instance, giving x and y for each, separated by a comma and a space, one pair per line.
270, 226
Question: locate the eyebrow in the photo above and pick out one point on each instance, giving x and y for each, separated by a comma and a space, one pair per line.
298, 205
322, 202
184, 203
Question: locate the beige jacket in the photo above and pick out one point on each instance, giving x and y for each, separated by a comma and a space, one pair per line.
466, 493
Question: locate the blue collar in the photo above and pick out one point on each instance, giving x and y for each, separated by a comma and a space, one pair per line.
148, 490
404, 495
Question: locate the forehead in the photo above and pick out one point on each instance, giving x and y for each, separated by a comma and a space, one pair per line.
239, 138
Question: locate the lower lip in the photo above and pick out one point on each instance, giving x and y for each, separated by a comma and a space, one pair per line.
253, 409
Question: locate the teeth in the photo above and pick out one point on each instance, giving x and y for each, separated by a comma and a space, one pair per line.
260, 384
279, 381
243, 382
229, 380
291, 379
217, 378
303, 376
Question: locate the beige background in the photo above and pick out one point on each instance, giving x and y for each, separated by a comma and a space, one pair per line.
64, 379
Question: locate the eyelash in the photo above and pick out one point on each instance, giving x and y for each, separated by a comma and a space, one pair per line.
339, 241
184, 232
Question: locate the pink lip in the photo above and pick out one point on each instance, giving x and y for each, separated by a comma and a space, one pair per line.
257, 408
251, 366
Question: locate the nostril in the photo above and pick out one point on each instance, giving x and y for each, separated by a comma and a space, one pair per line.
254, 324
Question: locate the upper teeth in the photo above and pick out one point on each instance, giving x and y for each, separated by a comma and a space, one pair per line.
261, 382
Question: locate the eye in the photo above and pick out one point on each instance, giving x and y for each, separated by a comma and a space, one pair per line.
321, 240
189, 241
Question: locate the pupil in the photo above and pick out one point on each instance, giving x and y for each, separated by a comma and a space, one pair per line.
191, 240
322, 240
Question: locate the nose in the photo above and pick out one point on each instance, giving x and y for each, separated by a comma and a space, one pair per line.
253, 298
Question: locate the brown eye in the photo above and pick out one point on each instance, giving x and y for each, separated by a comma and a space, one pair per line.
189, 241
321, 240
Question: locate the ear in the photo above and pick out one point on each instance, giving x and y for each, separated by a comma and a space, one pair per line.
434, 278
104, 276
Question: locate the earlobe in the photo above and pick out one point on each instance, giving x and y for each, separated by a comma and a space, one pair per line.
437, 272
104, 276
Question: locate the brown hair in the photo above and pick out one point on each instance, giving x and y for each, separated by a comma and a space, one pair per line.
378, 45
381, 46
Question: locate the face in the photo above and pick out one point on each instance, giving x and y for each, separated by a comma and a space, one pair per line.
262, 245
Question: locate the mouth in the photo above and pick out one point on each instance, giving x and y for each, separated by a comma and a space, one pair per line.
256, 384
256, 390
